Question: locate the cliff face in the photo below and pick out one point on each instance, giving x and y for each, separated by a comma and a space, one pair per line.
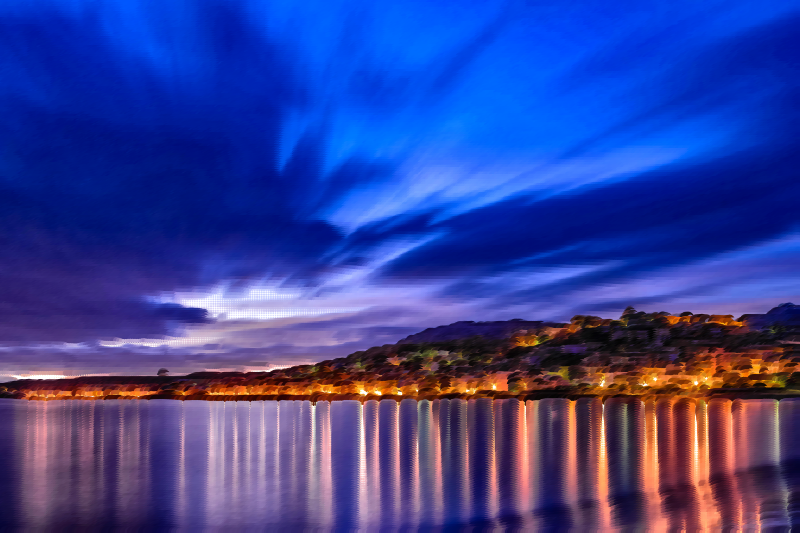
460, 330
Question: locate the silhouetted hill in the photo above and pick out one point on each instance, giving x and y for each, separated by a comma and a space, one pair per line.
124, 380
501, 329
786, 314
644, 354
214, 375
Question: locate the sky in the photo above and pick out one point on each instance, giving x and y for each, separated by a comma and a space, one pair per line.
232, 184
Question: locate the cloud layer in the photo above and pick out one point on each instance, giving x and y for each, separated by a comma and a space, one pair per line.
228, 183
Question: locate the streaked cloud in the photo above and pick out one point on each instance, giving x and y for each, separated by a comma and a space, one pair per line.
237, 183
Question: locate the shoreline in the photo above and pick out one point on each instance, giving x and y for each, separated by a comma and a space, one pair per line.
730, 394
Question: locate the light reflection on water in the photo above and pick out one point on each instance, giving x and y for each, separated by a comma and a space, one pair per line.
551, 464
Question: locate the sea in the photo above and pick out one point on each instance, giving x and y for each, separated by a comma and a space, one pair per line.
673, 464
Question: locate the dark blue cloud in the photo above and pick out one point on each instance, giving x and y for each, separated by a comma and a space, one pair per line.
115, 186
743, 81
667, 216
347, 150
686, 211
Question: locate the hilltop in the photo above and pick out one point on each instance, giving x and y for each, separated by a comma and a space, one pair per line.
637, 354
464, 329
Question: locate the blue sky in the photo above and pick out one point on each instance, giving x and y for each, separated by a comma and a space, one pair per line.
226, 184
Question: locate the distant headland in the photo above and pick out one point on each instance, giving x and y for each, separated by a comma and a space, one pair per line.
645, 354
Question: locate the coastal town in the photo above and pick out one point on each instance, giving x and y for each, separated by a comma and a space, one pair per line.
639, 353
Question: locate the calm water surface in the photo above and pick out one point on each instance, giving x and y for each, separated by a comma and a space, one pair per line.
446, 465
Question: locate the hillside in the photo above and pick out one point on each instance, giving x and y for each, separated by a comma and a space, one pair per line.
637, 354
464, 329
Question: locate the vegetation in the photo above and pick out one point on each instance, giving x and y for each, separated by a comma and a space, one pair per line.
640, 353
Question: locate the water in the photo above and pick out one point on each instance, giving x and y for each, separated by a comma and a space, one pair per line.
444, 465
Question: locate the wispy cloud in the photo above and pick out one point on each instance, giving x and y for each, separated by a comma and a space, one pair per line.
224, 183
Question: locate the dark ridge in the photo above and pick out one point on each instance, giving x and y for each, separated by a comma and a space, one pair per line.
215, 375
460, 330
94, 380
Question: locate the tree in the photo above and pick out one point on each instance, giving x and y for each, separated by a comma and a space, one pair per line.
776, 328
577, 319
163, 372
661, 321
517, 351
